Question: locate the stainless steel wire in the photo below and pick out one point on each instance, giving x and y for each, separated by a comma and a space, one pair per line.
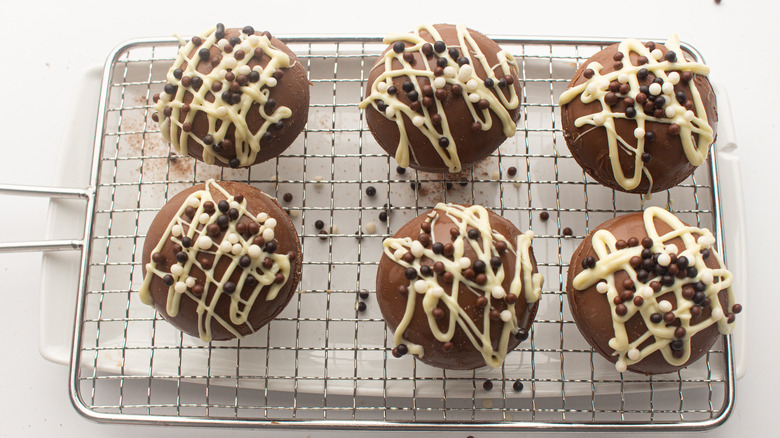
325, 363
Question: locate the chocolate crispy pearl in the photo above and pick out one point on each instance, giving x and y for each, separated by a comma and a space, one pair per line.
263, 311
291, 91
592, 312
472, 146
463, 355
668, 164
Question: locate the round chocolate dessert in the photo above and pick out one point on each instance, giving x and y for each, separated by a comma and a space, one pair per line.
442, 98
459, 287
650, 293
640, 118
233, 97
220, 260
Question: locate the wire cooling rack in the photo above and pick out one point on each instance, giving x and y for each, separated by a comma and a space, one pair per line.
325, 362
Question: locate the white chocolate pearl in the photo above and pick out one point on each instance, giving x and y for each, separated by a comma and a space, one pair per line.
418, 121
529, 234
176, 270
598, 119
262, 217
466, 70
230, 62
671, 248
449, 72
474, 97
204, 218
639, 132
655, 89
334, 229
633, 354
498, 292
674, 78
204, 242
268, 234
193, 201
437, 291
234, 204
236, 249
222, 74
717, 314
506, 316
664, 259
420, 286
254, 40
439, 82
390, 112
464, 262
706, 241
472, 85
603, 84
180, 287
232, 238
222, 111
706, 277
689, 115
225, 246
271, 82
602, 287
647, 292
623, 78
613, 344
371, 228
670, 111
254, 251
222, 43
664, 306
657, 54
270, 222
399, 253
190, 281
417, 249
177, 230
257, 68
381, 87
667, 88
621, 366
244, 70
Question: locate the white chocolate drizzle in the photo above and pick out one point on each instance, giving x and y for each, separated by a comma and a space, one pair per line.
525, 284
222, 114
233, 247
473, 88
691, 123
611, 260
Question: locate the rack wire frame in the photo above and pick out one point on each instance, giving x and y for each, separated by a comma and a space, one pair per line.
110, 268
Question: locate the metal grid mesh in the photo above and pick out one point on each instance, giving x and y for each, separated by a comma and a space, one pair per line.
322, 358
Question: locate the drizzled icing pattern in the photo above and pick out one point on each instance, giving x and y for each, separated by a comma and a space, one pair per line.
484, 279
686, 118
482, 95
650, 267
226, 94
249, 249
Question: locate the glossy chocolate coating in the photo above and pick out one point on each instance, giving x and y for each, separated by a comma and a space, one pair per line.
263, 311
592, 312
589, 146
471, 146
464, 355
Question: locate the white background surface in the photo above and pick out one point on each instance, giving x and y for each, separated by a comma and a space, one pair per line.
47, 46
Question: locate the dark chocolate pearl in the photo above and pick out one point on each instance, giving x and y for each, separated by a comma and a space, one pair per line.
234, 163
736, 308
412, 95
667, 280
544, 216
679, 332
658, 80
223, 221
170, 88
630, 112
479, 266
567, 231
610, 98
463, 60
647, 253
168, 280
223, 206
408, 86
427, 50
453, 52
688, 292
650, 137
686, 76
680, 96
621, 309
589, 262
647, 242
692, 272
361, 307
670, 56
588, 73
635, 262
253, 76
398, 47
182, 257
410, 273
381, 106
444, 142
473, 234
705, 254
644, 89
638, 301
495, 262
642, 73
426, 271
442, 62
659, 103
438, 248
699, 286
487, 385
383, 216
656, 318
494, 314
186, 242
402, 349
439, 46
695, 311
655, 286
318, 224
489, 83
699, 297
517, 386
233, 213
270, 247
481, 302
646, 157
204, 54
521, 335
621, 244
449, 249
229, 287
439, 268
677, 344
642, 275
